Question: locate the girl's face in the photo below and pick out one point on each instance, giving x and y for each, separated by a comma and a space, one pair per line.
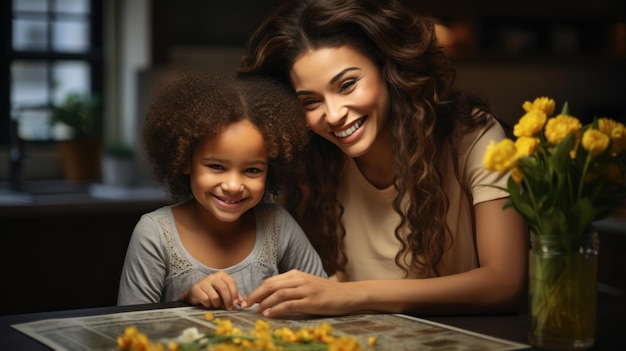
228, 172
344, 95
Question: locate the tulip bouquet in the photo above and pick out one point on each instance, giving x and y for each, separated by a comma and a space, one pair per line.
227, 337
564, 175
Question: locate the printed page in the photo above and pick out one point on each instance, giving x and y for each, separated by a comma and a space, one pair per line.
392, 331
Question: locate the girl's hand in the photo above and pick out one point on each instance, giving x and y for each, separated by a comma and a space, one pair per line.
299, 292
217, 290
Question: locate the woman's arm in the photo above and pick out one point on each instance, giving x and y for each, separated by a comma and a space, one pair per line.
496, 286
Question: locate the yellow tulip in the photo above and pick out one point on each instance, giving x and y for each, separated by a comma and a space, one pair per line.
501, 157
517, 175
544, 104
526, 146
595, 141
530, 124
616, 131
561, 126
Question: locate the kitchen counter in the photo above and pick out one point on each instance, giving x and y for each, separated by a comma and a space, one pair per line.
63, 244
56, 197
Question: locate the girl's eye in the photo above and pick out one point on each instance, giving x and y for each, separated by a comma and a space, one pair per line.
216, 167
253, 170
347, 85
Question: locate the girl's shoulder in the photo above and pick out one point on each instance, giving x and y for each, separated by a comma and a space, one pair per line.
270, 209
165, 211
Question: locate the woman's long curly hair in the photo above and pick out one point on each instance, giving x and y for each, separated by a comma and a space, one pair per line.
192, 106
427, 114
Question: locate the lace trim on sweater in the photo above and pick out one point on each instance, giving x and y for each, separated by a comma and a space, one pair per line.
179, 265
268, 253
269, 247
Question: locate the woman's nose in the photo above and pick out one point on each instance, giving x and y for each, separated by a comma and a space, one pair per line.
336, 112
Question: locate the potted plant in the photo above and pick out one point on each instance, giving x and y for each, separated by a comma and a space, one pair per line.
80, 148
118, 164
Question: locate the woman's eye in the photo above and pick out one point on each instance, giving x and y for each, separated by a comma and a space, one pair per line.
310, 104
347, 85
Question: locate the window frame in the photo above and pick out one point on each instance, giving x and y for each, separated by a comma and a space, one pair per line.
94, 57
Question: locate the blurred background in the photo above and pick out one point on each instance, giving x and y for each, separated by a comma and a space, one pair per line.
77, 75
114, 50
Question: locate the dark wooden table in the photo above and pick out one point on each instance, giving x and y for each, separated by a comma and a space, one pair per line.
610, 335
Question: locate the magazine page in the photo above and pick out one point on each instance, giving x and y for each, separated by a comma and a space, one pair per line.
392, 331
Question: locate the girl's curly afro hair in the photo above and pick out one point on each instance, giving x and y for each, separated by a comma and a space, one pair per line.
194, 105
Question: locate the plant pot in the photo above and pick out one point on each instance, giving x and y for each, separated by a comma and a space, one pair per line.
118, 170
81, 158
563, 290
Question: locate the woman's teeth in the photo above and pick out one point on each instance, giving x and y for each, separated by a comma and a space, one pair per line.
349, 131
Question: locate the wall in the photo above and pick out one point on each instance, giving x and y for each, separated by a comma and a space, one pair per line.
590, 89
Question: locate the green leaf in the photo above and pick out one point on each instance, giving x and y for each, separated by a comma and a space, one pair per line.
560, 158
554, 222
520, 202
565, 109
583, 214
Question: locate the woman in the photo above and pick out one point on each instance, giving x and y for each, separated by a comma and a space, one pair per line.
395, 197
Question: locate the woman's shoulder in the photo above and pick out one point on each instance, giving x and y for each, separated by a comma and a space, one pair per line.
489, 128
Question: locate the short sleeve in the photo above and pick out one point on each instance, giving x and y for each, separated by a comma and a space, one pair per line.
481, 180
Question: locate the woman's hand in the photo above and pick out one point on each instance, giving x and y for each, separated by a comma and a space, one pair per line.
299, 292
217, 290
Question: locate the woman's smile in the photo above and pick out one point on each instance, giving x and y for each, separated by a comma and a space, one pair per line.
344, 95
350, 130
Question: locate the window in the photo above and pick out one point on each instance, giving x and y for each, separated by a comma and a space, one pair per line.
54, 48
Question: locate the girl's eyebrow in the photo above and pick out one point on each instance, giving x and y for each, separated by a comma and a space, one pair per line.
332, 80
219, 160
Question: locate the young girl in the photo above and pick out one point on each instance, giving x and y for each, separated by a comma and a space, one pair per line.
395, 195
218, 144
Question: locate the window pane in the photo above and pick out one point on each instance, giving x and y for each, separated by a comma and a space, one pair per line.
33, 123
72, 6
30, 5
29, 84
70, 77
70, 36
29, 34
29, 99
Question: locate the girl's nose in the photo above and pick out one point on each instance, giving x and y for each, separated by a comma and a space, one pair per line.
233, 183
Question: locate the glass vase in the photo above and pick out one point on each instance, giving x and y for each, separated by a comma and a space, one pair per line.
563, 275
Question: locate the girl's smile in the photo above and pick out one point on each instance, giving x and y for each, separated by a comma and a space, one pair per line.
228, 172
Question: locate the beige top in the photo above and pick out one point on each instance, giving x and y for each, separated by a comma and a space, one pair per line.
370, 220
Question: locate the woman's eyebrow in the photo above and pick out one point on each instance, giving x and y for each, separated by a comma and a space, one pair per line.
340, 74
332, 80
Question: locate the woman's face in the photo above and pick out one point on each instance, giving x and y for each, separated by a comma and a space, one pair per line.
228, 172
344, 95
